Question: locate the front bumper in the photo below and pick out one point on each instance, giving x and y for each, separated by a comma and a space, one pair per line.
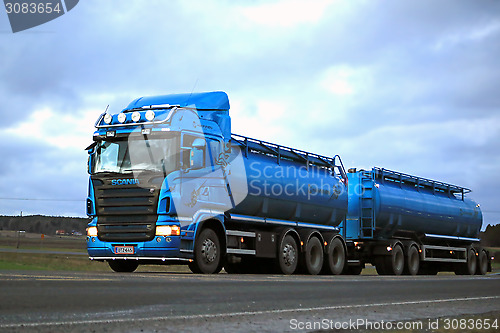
160, 248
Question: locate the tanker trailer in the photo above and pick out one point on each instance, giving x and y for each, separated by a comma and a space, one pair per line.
406, 224
294, 205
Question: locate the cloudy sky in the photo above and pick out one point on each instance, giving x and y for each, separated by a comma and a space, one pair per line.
412, 86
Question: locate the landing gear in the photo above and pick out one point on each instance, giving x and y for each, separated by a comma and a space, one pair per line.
207, 253
123, 266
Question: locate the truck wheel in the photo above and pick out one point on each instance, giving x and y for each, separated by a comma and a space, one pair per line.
123, 266
469, 268
412, 261
395, 263
288, 255
313, 256
482, 265
207, 253
335, 257
194, 268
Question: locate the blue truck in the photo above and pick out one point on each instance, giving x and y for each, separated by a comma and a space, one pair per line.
170, 184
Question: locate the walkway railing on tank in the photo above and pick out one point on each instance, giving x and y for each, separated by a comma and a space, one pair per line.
286, 153
419, 182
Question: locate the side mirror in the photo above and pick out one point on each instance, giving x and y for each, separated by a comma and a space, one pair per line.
197, 154
91, 150
90, 162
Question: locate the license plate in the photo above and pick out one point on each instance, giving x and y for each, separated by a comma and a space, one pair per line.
124, 250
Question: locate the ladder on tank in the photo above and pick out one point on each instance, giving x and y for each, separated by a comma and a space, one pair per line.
367, 216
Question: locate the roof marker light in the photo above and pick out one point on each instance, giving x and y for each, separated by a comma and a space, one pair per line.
122, 117
136, 116
150, 115
108, 118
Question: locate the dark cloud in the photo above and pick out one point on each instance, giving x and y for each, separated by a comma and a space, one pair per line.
414, 69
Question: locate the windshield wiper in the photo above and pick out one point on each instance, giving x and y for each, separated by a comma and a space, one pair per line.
109, 172
141, 170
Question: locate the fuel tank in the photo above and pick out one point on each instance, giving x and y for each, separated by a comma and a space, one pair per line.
286, 184
384, 203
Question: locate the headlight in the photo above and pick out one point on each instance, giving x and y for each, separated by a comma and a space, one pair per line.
136, 116
108, 118
92, 231
168, 230
150, 115
122, 117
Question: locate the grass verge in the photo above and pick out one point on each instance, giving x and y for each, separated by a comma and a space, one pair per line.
48, 262
62, 262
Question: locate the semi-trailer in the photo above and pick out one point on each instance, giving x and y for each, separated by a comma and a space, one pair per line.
170, 184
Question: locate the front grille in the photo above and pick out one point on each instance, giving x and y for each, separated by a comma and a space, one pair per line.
126, 213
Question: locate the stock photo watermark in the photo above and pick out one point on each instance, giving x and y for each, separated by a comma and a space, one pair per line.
26, 14
451, 324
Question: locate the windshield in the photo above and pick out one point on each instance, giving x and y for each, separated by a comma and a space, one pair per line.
138, 154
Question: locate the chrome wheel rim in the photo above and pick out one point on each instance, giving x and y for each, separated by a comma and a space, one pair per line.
289, 255
209, 251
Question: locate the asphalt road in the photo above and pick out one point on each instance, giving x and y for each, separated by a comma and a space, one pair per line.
112, 302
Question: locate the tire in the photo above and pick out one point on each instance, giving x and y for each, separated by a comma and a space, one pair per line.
469, 268
207, 253
412, 263
482, 265
194, 268
394, 264
123, 266
335, 257
288, 255
313, 256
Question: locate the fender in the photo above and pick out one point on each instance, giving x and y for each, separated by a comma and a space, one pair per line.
305, 235
203, 216
381, 247
331, 238
294, 233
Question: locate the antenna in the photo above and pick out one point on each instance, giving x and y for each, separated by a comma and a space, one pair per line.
107, 107
194, 86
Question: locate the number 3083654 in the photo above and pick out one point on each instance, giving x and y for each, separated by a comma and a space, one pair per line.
32, 8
